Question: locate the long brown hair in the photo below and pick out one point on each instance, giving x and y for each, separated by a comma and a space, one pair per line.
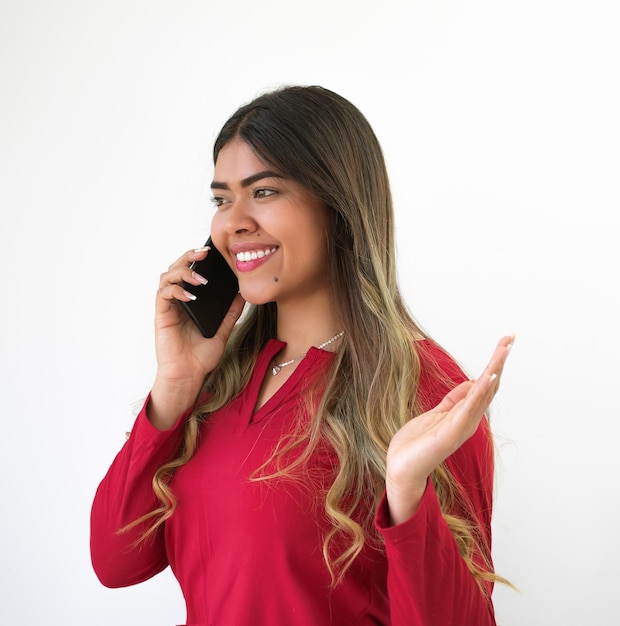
320, 140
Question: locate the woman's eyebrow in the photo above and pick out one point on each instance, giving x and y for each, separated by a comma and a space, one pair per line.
246, 182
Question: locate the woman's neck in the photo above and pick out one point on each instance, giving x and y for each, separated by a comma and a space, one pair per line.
305, 324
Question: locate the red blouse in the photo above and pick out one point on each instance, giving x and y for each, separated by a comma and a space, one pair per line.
248, 552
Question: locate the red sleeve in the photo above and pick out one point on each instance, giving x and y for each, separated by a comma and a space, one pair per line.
429, 583
126, 494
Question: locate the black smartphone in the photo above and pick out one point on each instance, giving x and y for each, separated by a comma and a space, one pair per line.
213, 299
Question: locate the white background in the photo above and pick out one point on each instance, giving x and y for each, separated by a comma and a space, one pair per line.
500, 125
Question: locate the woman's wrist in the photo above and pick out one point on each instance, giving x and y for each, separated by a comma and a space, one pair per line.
169, 400
403, 500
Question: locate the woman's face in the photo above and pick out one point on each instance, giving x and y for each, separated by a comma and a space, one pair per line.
272, 231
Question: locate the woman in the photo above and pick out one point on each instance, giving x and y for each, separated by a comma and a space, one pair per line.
276, 467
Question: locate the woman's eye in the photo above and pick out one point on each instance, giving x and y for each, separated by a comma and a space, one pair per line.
217, 201
264, 193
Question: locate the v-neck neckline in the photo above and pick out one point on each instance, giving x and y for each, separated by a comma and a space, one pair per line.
313, 357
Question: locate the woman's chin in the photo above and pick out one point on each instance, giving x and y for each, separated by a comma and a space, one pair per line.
252, 297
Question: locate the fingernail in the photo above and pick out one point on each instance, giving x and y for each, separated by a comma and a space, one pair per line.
203, 249
492, 378
189, 295
201, 279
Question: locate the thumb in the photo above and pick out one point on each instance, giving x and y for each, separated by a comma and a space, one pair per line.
454, 396
230, 319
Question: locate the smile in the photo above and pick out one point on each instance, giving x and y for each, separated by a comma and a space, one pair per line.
253, 255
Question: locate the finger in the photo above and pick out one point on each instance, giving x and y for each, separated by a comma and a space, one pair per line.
486, 385
464, 418
167, 296
198, 254
500, 354
454, 396
187, 258
181, 275
181, 269
231, 318
493, 371
484, 389
468, 402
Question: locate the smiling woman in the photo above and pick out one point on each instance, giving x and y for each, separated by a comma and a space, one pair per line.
321, 461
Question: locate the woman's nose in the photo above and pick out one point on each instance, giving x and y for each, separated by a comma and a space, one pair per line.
239, 218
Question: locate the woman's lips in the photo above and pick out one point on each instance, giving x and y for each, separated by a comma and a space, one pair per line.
248, 260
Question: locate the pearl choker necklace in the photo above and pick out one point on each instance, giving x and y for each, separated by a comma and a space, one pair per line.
278, 366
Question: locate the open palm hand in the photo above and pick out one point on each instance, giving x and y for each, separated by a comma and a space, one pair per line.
424, 442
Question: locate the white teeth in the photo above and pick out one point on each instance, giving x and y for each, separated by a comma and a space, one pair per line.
244, 257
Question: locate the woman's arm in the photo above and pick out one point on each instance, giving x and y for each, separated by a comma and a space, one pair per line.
429, 581
125, 495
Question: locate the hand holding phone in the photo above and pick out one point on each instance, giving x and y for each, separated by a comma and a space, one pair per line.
213, 300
